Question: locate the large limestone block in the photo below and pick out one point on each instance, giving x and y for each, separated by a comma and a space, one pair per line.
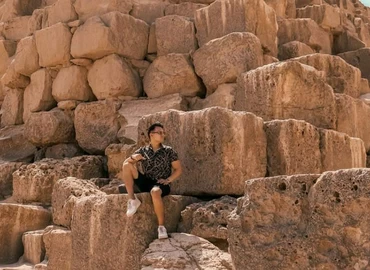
287, 90
35, 182
306, 31
199, 138
71, 84
16, 219
12, 108
26, 59
89, 8
148, 11
98, 223
304, 3
15, 8
117, 154
253, 16
14, 145
49, 128
293, 147
363, 31
97, 125
293, 49
185, 251
38, 94
175, 34
133, 110
13, 79
112, 76
111, 33
34, 248
346, 42
17, 28
341, 76
359, 59
222, 60
53, 45
63, 150
186, 9
7, 50
283, 9
340, 151
6, 177
61, 11
170, 74
327, 16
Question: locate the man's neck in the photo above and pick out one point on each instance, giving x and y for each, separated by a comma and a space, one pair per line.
155, 146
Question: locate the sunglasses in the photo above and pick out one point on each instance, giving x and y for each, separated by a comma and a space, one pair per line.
159, 132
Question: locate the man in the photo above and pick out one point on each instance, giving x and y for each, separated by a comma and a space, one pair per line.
159, 167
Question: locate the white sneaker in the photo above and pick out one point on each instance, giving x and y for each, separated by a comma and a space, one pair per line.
162, 232
132, 206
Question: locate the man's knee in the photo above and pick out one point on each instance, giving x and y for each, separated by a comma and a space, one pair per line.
156, 192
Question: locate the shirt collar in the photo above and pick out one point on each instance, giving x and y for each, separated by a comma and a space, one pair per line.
151, 147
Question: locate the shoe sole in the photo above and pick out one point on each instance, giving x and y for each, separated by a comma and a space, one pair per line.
130, 215
163, 237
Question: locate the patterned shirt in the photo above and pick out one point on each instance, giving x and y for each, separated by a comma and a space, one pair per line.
157, 164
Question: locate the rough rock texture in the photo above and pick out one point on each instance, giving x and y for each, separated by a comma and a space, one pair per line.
186, 9
293, 49
283, 8
185, 251
89, 8
13, 79
222, 60
63, 150
95, 230
15, 219
12, 107
116, 154
6, 178
34, 248
359, 59
61, 11
197, 137
148, 11
7, 50
347, 41
16, 28
327, 16
170, 74
253, 16
35, 182
15, 8
26, 59
269, 93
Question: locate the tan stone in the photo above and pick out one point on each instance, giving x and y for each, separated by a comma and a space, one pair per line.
61, 151
223, 60
15, 219
340, 151
84, 62
294, 49
327, 16
62, 11
206, 2
268, 59
175, 34
17, 28
26, 59
243, 157
133, 110
306, 31
12, 108
53, 45
111, 76
283, 9
363, 31
14, 146
48, 128
343, 78
6, 178
169, 74
116, 154
90, 237
347, 41
34, 249
38, 20
186, 9
13, 79
89, 8
152, 42
38, 95
15, 8
268, 93
68, 104
66, 193
253, 16
35, 182
364, 87
140, 66
71, 84
148, 11
7, 50
185, 251
359, 59
304, 3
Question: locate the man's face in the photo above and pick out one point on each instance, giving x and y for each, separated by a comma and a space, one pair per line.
158, 134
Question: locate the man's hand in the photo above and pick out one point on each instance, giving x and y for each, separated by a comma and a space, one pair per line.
137, 157
164, 181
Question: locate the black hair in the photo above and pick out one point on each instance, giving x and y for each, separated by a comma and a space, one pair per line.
153, 126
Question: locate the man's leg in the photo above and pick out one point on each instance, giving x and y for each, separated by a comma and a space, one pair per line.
156, 193
129, 173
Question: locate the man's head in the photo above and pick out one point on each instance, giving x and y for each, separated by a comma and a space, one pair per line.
156, 132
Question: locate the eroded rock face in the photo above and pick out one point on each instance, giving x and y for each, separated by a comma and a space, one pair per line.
26, 59
34, 248
6, 178
117, 154
359, 59
87, 8
186, 9
293, 49
327, 16
185, 251
12, 107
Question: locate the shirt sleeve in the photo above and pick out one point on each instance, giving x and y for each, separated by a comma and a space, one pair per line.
173, 156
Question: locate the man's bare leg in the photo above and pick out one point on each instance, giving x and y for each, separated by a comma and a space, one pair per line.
156, 193
129, 172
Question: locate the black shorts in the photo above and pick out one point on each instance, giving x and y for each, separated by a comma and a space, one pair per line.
146, 184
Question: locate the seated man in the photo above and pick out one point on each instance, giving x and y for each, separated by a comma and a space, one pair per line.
159, 167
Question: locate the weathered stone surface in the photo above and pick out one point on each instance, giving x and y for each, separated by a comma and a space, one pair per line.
63, 150
112, 76
293, 49
14, 146
363, 31
327, 16
6, 178
49, 128
347, 41
152, 41
197, 137
170, 74
35, 182
15, 8
223, 60
103, 238
68, 104
104, 35
186, 9
13, 79
304, 3
15, 219
66, 193
340, 151
12, 108
34, 248
283, 9
38, 94
293, 147
133, 110
175, 34
62, 11
16, 28
7, 50
306, 31
365, 87
58, 245
268, 92
359, 59
148, 11
71, 84
53, 45
140, 66
343, 78
97, 125
253, 16
116, 154
26, 59
185, 251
